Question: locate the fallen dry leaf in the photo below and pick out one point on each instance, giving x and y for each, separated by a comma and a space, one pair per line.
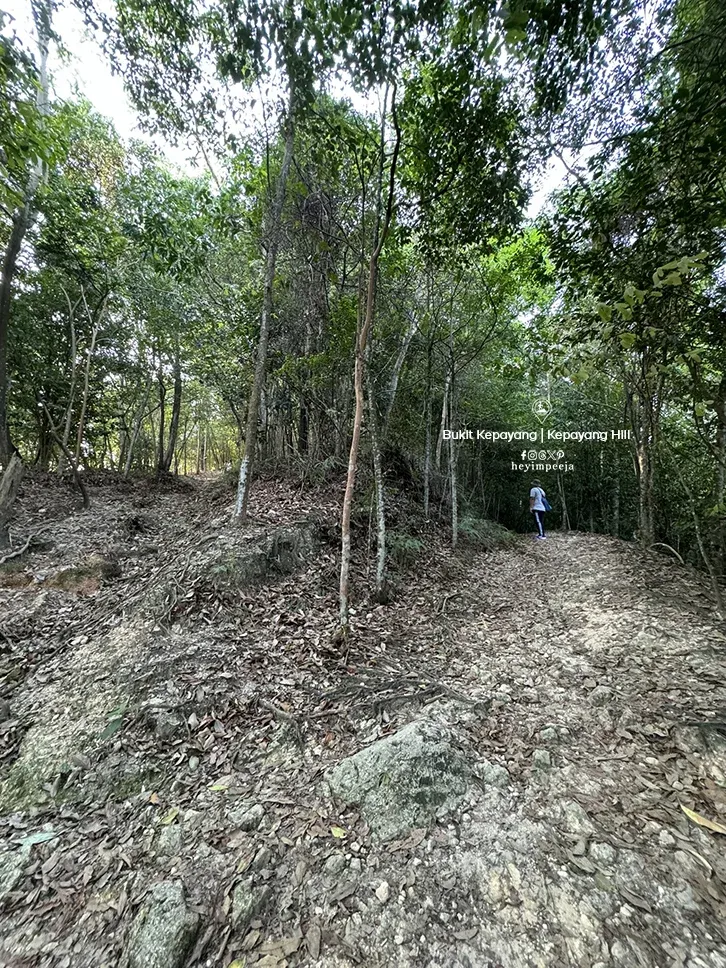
704, 821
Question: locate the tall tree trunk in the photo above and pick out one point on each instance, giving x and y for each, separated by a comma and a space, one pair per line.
452, 442
615, 524
273, 244
96, 322
162, 421
427, 446
380, 583
563, 498
453, 472
138, 422
67, 423
396, 372
22, 220
175, 415
454, 494
442, 425
360, 356
645, 491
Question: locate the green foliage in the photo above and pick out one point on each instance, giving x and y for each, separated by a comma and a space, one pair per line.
404, 548
484, 534
23, 135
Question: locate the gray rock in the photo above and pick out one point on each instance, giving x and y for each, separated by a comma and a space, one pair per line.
401, 781
247, 901
170, 839
548, 734
383, 892
168, 724
491, 774
603, 855
261, 859
12, 863
246, 816
164, 931
600, 695
542, 759
334, 864
574, 819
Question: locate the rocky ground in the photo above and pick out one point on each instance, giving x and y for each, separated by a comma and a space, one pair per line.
493, 772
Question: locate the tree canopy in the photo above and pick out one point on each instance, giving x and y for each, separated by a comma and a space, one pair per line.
325, 253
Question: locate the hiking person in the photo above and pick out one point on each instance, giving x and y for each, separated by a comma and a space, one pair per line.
538, 505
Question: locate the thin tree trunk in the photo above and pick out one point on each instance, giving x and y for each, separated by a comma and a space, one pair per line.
360, 355
397, 367
74, 377
380, 586
162, 422
442, 426
427, 445
452, 443
454, 494
87, 375
615, 528
138, 422
175, 415
273, 244
645, 492
563, 502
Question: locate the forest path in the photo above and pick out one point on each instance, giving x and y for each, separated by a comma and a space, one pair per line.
605, 666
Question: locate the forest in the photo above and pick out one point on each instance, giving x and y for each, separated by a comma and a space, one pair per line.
329, 269
356, 294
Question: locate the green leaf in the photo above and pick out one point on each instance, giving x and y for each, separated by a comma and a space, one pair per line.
625, 311
113, 727
605, 312
627, 340
338, 832
171, 816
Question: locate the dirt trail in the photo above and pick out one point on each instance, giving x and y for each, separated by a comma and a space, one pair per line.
606, 666
581, 679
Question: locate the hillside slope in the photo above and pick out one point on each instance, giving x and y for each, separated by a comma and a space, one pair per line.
492, 775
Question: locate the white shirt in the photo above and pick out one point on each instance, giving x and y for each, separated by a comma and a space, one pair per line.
538, 494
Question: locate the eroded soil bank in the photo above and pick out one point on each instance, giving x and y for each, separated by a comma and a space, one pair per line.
492, 774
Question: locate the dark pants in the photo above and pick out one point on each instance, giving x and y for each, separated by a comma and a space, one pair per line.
539, 521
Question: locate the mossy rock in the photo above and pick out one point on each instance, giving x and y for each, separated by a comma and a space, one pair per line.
404, 780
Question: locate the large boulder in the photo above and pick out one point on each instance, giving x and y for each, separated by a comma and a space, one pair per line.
404, 780
164, 931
